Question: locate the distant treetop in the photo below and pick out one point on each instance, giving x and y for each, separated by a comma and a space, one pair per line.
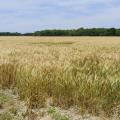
72, 32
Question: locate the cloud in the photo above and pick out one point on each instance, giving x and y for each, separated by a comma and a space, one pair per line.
29, 15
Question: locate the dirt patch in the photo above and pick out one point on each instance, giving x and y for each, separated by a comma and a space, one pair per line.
11, 108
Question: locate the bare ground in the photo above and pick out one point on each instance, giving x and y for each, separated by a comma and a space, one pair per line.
11, 108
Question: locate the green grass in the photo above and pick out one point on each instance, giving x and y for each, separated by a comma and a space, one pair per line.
56, 115
3, 99
51, 110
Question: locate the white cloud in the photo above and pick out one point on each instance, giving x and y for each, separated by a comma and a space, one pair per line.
30, 15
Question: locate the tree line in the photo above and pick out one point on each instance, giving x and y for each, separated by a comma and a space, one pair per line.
10, 34
73, 32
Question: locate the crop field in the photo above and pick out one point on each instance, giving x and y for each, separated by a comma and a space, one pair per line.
66, 72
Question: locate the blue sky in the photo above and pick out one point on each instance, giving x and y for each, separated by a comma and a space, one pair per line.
33, 15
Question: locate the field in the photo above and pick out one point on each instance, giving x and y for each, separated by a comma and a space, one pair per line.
66, 72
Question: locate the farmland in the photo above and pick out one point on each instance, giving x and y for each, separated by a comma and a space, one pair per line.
65, 72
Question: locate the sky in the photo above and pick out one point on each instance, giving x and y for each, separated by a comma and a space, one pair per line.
33, 15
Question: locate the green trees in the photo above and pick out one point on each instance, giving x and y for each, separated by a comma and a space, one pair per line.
10, 34
80, 32
72, 32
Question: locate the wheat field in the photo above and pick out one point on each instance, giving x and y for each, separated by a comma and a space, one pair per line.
70, 71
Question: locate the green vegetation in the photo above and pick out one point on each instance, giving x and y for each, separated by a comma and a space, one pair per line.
80, 32
6, 116
10, 34
56, 115
73, 32
51, 110
3, 99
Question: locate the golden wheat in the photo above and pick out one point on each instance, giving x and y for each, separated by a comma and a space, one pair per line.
78, 71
